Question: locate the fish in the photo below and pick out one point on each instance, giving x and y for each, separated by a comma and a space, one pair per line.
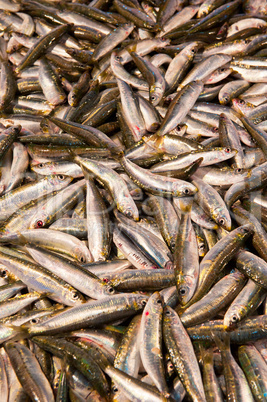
184, 359
150, 337
29, 372
186, 269
235, 380
133, 209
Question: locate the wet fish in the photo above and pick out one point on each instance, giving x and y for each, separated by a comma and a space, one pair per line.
113, 114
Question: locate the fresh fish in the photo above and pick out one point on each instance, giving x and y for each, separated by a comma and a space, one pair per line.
41, 280
151, 342
133, 177
77, 276
220, 295
186, 269
182, 354
235, 380
29, 372
101, 312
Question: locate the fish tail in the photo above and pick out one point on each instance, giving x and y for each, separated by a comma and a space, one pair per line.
3, 52
116, 152
185, 204
206, 352
19, 333
222, 340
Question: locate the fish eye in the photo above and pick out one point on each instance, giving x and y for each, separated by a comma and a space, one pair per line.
128, 214
228, 150
186, 191
182, 291
110, 290
82, 259
239, 170
202, 246
118, 58
143, 302
223, 69
3, 274
245, 230
226, 98
153, 97
178, 128
214, 129
40, 224
168, 312
106, 280
114, 389
34, 321
41, 165
60, 177
241, 102
234, 318
75, 295
159, 301
221, 221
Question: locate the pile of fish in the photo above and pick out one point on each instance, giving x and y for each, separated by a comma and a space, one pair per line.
133, 203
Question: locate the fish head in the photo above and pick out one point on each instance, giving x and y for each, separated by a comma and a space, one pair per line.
232, 318
108, 289
129, 208
186, 287
183, 189
38, 221
156, 96
228, 153
162, 42
59, 181
169, 314
224, 98
241, 106
82, 254
75, 298
43, 167
245, 231
222, 218
140, 301
128, 27
155, 302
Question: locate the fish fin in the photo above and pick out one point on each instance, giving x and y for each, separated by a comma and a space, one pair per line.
131, 48
197, 162
44, 295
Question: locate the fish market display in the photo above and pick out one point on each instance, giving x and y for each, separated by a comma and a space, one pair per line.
133, 200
